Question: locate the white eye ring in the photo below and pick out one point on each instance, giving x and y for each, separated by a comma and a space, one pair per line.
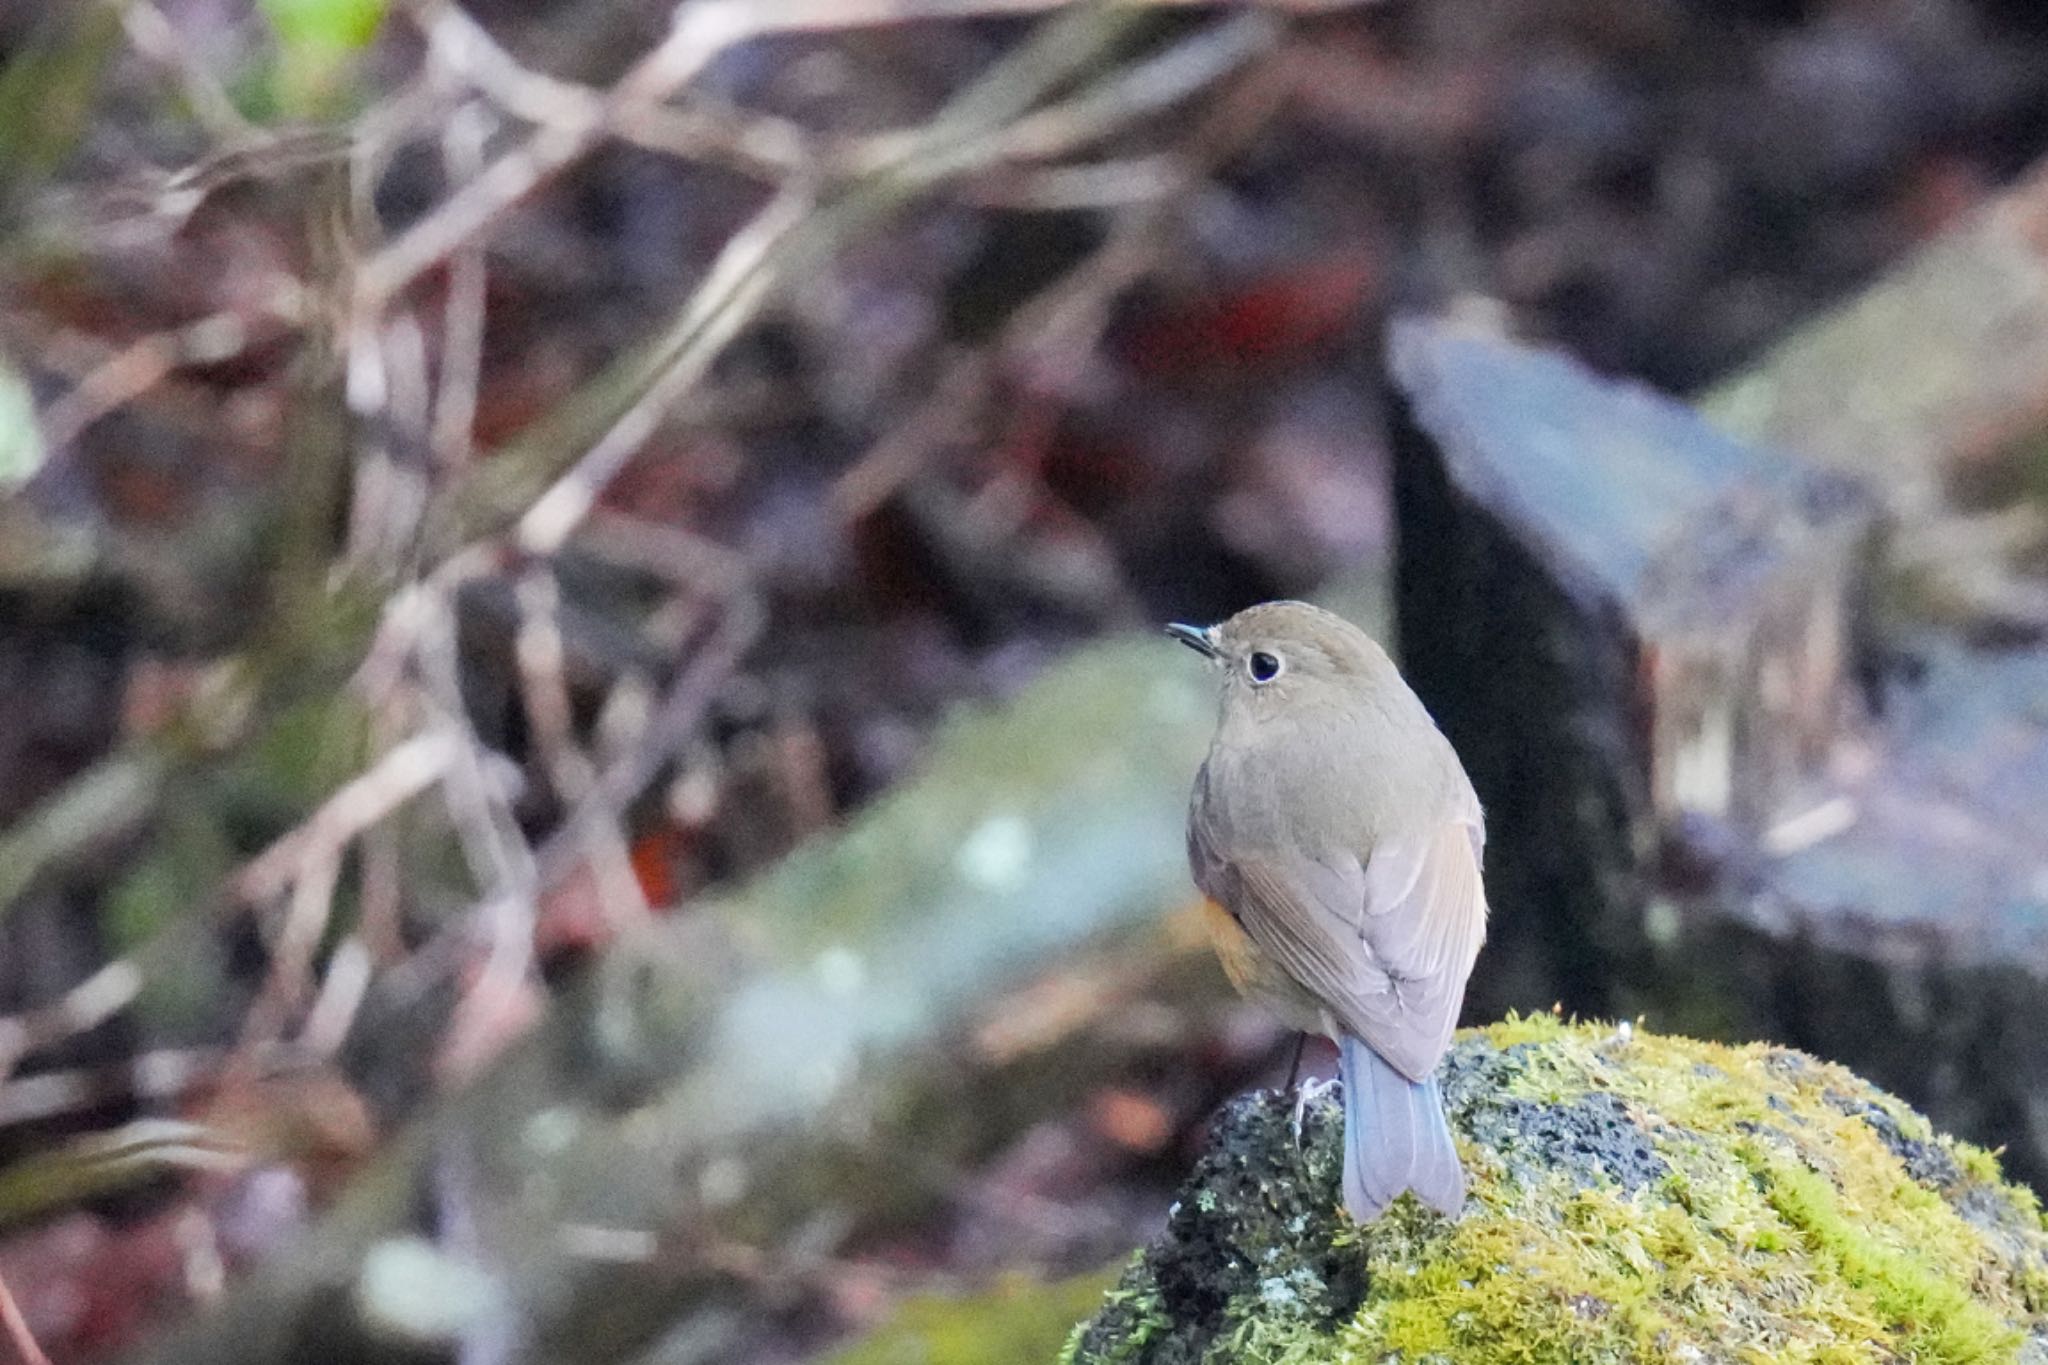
1262, 666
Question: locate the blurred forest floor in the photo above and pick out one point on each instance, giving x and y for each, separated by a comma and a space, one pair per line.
482, 476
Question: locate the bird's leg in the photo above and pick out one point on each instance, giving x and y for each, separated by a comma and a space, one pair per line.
1306, 1091
1294, 1067
1310, 1090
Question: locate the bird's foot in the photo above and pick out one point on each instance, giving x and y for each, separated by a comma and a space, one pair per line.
1307, 1091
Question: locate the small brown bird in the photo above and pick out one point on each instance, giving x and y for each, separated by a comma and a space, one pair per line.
1338, 840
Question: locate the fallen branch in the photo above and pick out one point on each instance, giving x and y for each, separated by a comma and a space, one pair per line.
749, 1050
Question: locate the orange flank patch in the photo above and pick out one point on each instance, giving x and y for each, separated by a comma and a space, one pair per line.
1242, 961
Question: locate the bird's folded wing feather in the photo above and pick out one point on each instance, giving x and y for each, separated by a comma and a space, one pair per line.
1386, 947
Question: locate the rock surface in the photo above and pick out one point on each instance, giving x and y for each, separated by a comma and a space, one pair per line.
1733, 779
1634, 1198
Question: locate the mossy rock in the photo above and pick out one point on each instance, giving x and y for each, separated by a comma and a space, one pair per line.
1634, 1198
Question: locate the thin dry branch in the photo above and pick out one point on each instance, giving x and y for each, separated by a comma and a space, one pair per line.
292, 948
758, 144
402, 773
140, 366
1055, 334
342, 991
1136, 92
544, 693
462, 319
574, 125
159, 1075
308, 861
681, 709
84, 1007
733, 291
153, 35
1113, 184
790, 237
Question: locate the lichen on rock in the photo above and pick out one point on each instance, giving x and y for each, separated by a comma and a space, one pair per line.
1634, 1198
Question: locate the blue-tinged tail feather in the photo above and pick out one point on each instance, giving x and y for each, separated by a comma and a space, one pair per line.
1395, 1138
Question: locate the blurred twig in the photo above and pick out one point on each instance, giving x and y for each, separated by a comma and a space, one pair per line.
151, 1076
154, 35
1055, 333
781, 245
1136, 91
398, 776
733, 292
143, 364
84, 1007
99, 1162
462, 327
672, 723
757, 143
308, 860
544, 692
701, 32
18, 1332
109, 797
342, 990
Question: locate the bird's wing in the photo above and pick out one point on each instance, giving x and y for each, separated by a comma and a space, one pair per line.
1425, 906
1385, 946
1205, 860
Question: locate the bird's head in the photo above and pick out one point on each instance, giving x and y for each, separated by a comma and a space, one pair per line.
1286, 657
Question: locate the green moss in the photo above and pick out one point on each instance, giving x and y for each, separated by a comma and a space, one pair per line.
1527, 1028
1135, 1315
1633, 1199
1934, 1314
1016, 1320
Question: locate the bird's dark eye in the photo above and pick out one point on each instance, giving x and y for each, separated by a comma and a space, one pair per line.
1262, 666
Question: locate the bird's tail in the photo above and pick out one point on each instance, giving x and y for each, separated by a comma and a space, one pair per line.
1395, 1138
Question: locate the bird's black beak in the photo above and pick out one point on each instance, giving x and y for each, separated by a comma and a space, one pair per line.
1201, 639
